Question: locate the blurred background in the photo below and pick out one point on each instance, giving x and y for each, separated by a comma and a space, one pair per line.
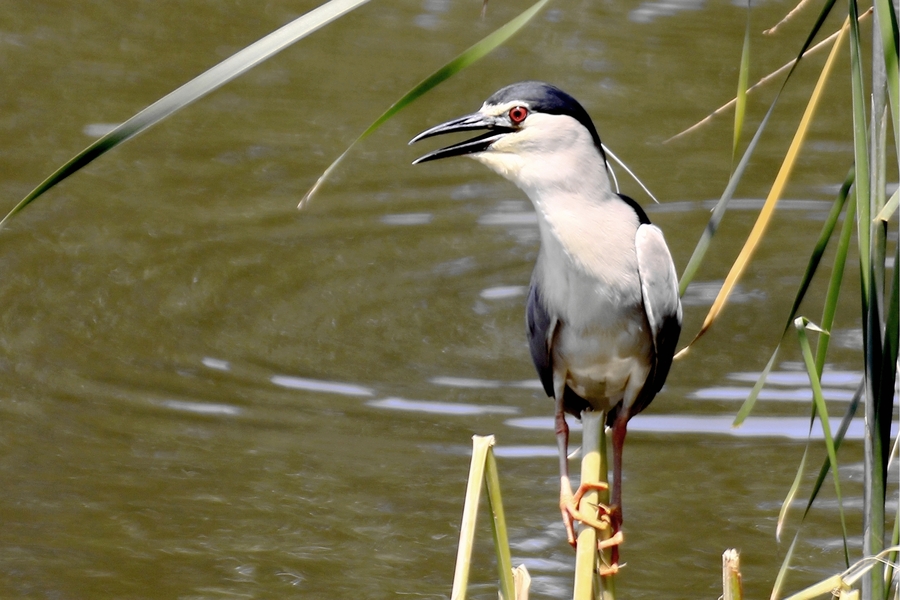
206, 393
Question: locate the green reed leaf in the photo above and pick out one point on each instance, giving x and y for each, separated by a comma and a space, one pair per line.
740, 106
861, 152
839, 435
802, 324
719, 211
472, 55
890, 207
498, 528
193, 90
474, 484
811, 269
782, 572
765, 215
890, 40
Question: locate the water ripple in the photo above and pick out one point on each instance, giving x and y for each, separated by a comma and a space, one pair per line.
503, 291
440, 408
202, 408
216, 363
526, 451
408, 219
465, 382
795, 428
508, 218
800, 378
316, 385
741, 393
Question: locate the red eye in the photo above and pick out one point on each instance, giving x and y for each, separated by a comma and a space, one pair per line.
518, 114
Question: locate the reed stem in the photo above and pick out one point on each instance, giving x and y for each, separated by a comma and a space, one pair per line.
589, 585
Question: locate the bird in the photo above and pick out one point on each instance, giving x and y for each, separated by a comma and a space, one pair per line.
603, 313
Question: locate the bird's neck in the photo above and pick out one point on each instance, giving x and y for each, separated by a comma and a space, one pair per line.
562, 186
595, 238
583, 222
575, 176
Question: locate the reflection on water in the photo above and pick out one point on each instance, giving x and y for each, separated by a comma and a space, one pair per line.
756, 426
465, 382
202, 408
503, 292
814, 208
704, 293
215, 363
795, 428
741, 393
509, 219
796, 377
439, 408
408, 219
313, 385
648, 11
96, 130
528, 451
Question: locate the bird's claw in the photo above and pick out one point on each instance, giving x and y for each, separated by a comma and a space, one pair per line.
608, 570
570, 506
584, 488
609, 521
615, 540
571, 514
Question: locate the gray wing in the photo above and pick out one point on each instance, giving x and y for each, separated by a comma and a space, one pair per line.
538, 324
659, 287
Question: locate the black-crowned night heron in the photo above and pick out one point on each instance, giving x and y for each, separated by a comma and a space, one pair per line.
603, 314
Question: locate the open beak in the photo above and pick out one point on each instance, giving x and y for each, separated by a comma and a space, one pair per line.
471, 122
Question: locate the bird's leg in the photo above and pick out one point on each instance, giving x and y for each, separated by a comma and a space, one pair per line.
618, 442
566, 498
568, 502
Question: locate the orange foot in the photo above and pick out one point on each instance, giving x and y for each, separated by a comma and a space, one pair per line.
570, 507
612, 567
609, 520
614, 541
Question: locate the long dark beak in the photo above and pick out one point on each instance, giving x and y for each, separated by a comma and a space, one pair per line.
467, 123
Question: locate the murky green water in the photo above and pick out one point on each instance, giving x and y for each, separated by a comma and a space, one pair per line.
207, 394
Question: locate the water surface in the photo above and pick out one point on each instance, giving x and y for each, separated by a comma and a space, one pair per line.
208, 394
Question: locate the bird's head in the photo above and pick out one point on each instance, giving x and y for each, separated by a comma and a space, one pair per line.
533, 130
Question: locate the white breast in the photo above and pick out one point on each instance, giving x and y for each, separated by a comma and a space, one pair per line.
589, 280
587, 267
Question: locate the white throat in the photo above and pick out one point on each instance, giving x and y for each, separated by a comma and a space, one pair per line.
553, 157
